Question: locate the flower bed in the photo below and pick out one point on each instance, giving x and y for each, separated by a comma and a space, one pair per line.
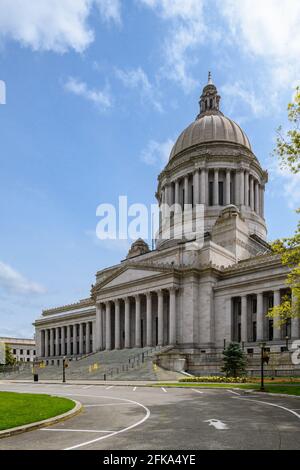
215, 379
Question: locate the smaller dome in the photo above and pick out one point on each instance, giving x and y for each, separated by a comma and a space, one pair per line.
138, 247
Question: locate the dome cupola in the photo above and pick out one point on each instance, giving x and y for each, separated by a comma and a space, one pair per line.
211, 165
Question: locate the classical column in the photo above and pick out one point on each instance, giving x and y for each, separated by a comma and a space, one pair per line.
127, 322
244, 319
228, 324
42, 343
242, 187
160, 309
216, 187
256, 195
80, 338
246, 198
237, 188
63, 341
203, 187
196, 188
51, 342
149, 318
138, 338
295, 334
117, 325
252, 193
227, 195
260, 317
172, 334
46, 343
276, 330
262, 202
186, 189
108, 326
57, 341
75, 350
87, 337
68, 340
177, 195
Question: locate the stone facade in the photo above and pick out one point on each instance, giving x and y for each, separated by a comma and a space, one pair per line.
195, 298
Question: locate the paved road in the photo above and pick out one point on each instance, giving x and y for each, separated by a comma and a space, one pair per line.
127, 418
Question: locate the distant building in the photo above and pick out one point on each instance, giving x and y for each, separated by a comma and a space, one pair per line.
23, 349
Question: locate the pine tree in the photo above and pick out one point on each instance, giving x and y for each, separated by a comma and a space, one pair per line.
234, 360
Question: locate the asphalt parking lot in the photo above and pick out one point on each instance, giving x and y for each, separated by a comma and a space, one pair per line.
149, 418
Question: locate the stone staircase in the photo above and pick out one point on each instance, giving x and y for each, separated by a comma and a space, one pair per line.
125, 364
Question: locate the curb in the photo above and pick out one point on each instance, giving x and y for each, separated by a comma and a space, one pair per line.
46, 422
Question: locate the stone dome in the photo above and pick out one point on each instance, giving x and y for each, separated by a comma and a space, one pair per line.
210, 126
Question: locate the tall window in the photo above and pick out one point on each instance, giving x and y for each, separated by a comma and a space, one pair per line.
221, 193
211, 193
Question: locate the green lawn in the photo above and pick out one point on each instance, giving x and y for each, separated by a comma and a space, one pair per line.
290, 389
17, 409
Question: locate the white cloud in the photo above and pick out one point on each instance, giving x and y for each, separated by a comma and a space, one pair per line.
12, 280
101, 98
157, 153
110, 10
187, 31
288, 184
137, 79
237, 91
266, 33
56, 25
268, 30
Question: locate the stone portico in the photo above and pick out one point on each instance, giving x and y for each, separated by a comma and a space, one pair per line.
193, 298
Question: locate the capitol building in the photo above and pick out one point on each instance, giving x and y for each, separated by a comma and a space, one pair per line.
196, 298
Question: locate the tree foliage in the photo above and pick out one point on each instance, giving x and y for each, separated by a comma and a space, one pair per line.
288, 143
288, 151
234, 360
9, 358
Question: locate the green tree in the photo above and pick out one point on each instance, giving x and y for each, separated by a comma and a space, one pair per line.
288, 151
234, 360
9, 358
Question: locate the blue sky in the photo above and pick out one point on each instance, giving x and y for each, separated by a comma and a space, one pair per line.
97, 91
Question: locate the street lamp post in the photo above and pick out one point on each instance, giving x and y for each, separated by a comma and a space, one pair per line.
262, 360
287, 342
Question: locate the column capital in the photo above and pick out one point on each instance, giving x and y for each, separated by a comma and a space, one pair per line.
137, 296
173, 289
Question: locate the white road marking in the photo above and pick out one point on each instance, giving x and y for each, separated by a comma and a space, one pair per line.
271, 404
235, 393
216, 424
115, 432
107, 388
164, 390
88, 386
74, 430
109, 404
134, 389
198, 391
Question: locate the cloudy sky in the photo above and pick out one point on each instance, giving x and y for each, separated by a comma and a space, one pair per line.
96, 93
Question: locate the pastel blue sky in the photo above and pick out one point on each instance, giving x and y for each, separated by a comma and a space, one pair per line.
97, 91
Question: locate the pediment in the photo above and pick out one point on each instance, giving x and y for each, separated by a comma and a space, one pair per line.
131, 275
